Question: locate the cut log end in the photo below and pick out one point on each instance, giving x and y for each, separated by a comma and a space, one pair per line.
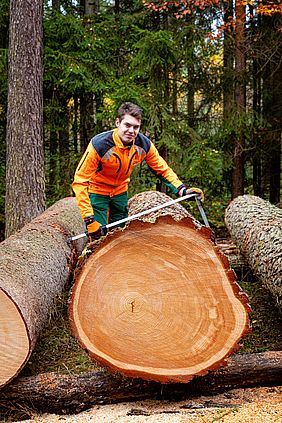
156, 301
14, 340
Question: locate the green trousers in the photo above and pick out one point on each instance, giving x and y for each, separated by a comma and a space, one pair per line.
109, 209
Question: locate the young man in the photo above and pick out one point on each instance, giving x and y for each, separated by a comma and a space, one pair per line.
102, 176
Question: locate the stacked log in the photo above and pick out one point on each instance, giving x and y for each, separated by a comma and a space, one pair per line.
158, 300
64, 394
256, 227
35, 264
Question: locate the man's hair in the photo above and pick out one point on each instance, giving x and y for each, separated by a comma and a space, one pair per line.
129, 109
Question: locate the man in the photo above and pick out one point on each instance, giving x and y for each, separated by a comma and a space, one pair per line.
102, 176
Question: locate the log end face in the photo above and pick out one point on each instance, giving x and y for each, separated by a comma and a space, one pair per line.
14, 339
156, 302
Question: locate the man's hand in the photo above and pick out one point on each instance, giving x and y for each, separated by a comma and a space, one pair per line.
185, 191
94, 229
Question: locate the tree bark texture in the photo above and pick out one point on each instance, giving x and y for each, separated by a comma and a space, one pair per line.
274, 114
35, 264
240, 100
25, 183
256, 227
157, 299
228, 58
63, 394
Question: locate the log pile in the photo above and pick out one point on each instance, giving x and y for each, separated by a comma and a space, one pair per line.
256, 227
158, 300
35, 264
207, 305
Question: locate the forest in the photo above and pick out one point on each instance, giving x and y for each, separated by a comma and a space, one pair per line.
207, 74
159, 300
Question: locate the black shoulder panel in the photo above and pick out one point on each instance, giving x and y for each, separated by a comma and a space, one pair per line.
143, 142
103, 142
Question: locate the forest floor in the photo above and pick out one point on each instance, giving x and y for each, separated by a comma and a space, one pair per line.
254, 405
58, 351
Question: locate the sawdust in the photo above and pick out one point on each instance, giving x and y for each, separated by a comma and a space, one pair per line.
253, 405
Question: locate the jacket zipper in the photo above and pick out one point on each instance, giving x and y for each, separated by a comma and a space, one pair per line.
130, 161
83, 160
119, 159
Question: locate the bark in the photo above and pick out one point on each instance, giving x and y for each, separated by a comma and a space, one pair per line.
256, 227
158, 300
228, 58
66, 171
275, 119
86, 119
71, 393
240, 101
56, 5
35, 264
25, 183
91, 7
271, 71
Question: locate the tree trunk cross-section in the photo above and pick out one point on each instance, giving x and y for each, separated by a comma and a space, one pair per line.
35, 264
159, 301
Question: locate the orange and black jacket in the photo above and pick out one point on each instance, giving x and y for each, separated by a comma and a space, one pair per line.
106, 166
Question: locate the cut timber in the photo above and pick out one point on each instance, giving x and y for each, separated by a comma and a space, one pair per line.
159, 301
35, 264
149, 199
256, 227
59, 393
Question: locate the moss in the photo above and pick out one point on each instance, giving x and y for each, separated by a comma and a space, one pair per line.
266, 320
57, 350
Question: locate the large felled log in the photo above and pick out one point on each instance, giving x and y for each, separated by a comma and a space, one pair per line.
70, 393
158, 300
35, 264
256, 227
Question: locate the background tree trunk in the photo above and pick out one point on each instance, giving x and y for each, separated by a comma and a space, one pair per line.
56, 5
240, 101
35, 264
256, 227
158, 300
25, 182
228, 60
273, 110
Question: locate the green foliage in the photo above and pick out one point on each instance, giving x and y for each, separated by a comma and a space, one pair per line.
4, 15
265, 319
75, 54
204, 165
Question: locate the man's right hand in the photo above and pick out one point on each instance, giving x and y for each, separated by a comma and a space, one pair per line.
94, 229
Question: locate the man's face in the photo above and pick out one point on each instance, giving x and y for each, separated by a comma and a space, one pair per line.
128, 128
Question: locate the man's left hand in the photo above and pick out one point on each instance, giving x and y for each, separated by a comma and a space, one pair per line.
185, 191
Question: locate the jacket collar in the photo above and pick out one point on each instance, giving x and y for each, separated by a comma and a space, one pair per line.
118, 142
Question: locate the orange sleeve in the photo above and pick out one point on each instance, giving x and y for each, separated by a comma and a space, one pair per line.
85, 169
161, 169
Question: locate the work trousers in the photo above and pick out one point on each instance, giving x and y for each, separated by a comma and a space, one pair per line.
109, 209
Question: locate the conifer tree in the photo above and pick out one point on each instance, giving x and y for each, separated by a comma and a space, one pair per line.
25, 181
